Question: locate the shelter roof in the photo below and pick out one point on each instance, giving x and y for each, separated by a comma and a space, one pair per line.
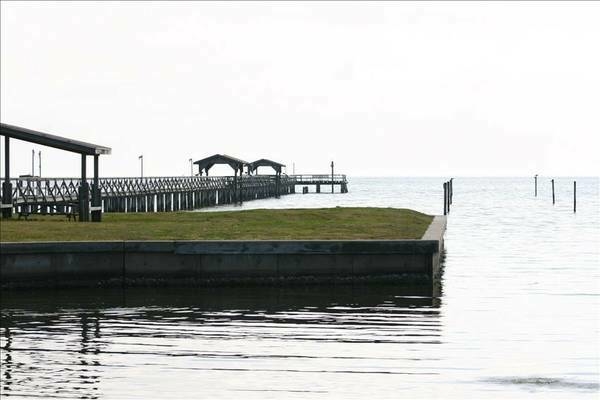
263, 162
208, 162
58, 142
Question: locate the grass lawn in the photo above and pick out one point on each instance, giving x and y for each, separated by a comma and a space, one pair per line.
326, 223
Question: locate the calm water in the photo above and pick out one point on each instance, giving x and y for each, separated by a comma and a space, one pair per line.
518, 317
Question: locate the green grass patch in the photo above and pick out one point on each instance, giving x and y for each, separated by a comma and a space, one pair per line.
293, 224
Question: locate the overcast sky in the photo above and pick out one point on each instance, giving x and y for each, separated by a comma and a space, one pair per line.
404, 89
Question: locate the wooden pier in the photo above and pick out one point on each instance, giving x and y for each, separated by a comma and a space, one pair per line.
34, 195
83, 198
150, 194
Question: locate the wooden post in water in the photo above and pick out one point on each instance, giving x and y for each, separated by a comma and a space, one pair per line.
553, 199
448, 196
535, 179
445, 198
574, 196
448, 202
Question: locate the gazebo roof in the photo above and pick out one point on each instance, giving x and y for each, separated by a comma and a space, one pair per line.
263, 162
208, 162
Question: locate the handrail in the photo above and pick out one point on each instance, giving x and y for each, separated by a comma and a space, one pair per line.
324, 177
28, 189
195, 177
49, 189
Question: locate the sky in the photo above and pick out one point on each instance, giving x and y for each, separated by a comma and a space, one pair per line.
381, 89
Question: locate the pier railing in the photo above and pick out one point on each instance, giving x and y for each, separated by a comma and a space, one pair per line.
53, 195
128, 194
66, 188
319, 178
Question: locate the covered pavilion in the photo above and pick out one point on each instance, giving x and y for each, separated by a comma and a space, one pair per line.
62, 143
236, 164
263, 162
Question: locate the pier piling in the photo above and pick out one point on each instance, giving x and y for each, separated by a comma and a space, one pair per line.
574, 196
445, 198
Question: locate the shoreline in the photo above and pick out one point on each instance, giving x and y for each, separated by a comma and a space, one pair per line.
221, 262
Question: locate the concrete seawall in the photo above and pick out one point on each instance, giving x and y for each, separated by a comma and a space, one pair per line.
57, 264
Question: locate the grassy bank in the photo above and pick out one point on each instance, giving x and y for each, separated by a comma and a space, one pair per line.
330, 223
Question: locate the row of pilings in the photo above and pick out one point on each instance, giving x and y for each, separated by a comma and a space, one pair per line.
195, 199
175, 201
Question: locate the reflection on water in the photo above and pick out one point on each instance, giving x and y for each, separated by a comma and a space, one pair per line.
67, 344
518, 316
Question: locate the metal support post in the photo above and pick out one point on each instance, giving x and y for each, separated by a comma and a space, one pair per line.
96, 198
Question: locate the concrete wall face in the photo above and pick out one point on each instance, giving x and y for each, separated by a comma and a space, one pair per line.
55, 264
71, 266
160, 266
24, 267
237, 266
296, 265
392, 264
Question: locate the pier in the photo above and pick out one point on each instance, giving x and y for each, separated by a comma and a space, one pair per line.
80, 197
33, 195
47, 196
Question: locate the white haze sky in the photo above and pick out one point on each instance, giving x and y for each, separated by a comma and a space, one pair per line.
403, 89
